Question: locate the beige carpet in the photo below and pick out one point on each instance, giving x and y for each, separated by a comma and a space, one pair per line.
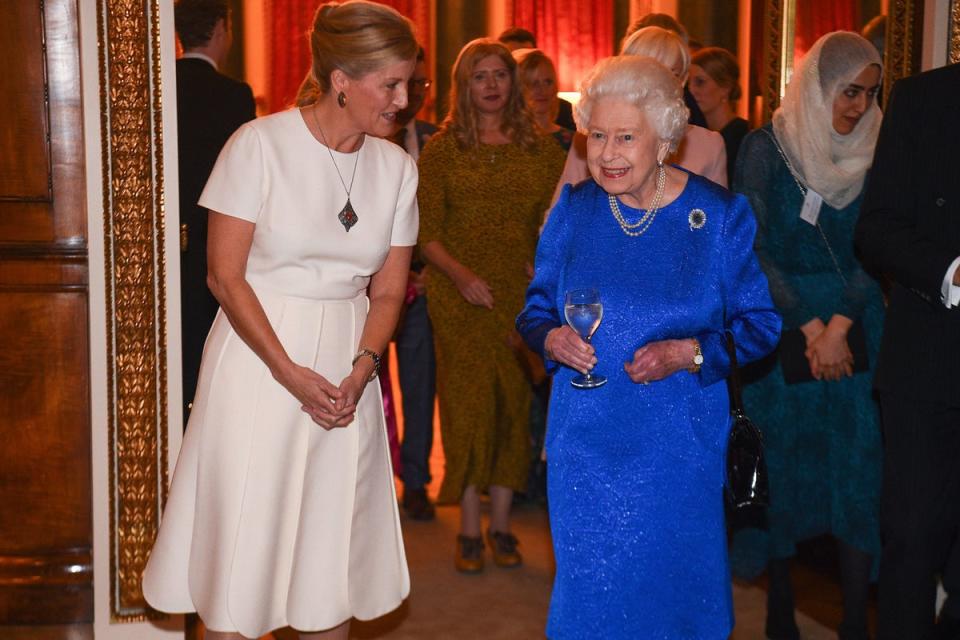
500, 604
504, 604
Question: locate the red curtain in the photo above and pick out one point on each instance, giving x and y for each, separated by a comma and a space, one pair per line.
573, 33
815, 18
288, 49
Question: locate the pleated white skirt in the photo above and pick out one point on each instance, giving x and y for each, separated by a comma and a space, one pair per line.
271, 520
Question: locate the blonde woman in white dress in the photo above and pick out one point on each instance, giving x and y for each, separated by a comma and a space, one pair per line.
282, 510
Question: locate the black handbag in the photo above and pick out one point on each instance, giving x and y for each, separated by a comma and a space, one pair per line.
747, 484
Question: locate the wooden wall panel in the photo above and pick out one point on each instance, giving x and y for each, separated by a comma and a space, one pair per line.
24, 155
46, 574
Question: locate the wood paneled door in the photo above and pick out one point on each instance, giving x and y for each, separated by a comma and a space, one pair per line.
46, 574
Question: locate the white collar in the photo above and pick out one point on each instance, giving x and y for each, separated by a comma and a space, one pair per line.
201, 56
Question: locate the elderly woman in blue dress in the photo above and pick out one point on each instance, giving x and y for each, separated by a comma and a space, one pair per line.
636, 465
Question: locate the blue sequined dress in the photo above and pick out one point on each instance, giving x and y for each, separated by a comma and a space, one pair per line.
636, 471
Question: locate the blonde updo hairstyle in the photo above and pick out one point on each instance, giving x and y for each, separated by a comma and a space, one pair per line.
528, 62
462, 120
642, 82
664, 46
357, 37
722, 67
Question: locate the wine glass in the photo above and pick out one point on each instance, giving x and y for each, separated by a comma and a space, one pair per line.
583, 311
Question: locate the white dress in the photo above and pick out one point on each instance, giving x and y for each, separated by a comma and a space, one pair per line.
271, 520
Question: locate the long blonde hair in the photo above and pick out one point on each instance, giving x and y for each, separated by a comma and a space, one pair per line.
517, 123
356, 37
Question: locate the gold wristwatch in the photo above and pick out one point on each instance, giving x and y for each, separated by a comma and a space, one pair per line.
697, 357
373, 355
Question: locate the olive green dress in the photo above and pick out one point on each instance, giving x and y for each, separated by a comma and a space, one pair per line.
484, 206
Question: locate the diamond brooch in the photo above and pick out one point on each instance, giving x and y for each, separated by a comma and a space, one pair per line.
697, 219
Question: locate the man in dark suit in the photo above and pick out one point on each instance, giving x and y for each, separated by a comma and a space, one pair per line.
210, 107
416, 362
909, 229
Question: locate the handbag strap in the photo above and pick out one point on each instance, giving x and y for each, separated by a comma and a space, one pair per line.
733, 382
803, 192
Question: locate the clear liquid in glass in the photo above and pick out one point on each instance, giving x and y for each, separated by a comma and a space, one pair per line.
584, 311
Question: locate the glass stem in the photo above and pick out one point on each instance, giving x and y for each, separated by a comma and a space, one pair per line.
587, 377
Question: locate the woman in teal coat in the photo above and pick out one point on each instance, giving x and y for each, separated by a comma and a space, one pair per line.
804, 177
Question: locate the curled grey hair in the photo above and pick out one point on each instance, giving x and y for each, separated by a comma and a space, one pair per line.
642, 82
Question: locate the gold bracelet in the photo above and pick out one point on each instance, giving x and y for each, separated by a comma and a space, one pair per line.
373, 355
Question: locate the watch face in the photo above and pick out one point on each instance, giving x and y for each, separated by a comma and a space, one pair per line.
698, 359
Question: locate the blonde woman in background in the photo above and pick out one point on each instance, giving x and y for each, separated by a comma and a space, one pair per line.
538, 79
282, 510
487, 176
715, 85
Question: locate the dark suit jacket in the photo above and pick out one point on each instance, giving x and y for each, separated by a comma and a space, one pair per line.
565, 116
424, 131
696, 115
909, 229
210, 107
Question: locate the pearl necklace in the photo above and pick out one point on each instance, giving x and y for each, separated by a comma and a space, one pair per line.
647, 219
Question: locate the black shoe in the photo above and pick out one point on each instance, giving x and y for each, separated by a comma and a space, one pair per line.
782, 629
417, 505
948, 628
848, 631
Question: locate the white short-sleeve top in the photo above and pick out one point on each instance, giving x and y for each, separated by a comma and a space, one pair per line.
274, 173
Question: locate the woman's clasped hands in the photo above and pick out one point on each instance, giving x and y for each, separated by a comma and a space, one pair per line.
329, 406
827, 350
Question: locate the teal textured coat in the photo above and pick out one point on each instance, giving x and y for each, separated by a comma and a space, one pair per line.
822, 438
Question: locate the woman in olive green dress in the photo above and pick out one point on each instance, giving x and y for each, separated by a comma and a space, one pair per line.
485, 181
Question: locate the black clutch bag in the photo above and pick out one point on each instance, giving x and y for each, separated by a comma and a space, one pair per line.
747, 484
796, 367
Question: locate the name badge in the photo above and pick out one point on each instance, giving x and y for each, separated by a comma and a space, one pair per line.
811, 207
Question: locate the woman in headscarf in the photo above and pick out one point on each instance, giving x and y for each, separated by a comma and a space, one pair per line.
804, 176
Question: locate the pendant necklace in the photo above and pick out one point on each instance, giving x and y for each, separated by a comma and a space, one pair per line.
347, 216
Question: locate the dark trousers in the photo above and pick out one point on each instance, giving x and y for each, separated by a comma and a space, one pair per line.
417, 370
920, 512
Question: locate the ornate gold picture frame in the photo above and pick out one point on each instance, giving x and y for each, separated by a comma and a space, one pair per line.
904, 39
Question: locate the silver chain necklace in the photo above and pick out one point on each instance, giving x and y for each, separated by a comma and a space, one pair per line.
347, 216
647, 219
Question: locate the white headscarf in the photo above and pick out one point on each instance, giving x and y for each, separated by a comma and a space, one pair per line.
831, 164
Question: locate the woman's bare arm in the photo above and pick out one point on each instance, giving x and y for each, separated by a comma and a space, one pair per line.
388, 288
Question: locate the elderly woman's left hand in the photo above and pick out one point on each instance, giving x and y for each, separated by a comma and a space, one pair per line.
658, 360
